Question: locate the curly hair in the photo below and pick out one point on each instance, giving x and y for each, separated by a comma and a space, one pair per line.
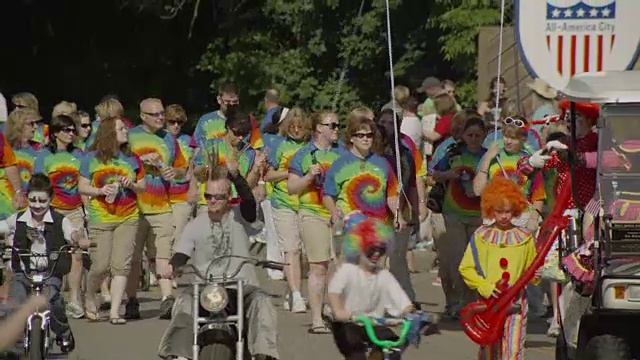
363, 232
500, 191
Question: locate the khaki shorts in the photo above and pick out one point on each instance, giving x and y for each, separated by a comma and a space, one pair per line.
156, 231
114, 247
76, 216
288, 228
181, 215
315, 232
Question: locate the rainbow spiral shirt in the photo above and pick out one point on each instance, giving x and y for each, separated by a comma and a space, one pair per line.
533, 187
224, 152
455, 199
99, 174
311, 197
155, 198
63, 168
7, 159
179, 187
26, 157
361, 184
212, 126
41, 133
279, 160
271, 142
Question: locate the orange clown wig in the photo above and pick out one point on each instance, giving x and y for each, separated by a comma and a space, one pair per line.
500, 192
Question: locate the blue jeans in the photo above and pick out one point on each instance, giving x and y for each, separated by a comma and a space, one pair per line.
20, 290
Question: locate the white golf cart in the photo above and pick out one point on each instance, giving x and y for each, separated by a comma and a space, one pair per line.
608, 327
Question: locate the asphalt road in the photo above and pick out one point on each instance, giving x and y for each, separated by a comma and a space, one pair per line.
139, 339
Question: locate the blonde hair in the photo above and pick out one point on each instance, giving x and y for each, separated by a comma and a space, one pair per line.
16, 122
361, 112
175, 112
110, 107
401, 92
25, 99
64, 108
295, 116
444, 104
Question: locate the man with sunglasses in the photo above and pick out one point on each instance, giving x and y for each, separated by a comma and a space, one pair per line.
220, 231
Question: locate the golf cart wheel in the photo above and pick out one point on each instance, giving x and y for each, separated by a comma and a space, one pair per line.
217, 352
607, 347
562, 351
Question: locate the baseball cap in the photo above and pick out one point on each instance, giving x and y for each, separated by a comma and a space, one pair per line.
428, 83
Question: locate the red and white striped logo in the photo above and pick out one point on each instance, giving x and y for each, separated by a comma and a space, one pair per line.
562, 38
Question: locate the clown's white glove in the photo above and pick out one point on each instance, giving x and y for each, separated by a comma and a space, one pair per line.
555, 145
537, 160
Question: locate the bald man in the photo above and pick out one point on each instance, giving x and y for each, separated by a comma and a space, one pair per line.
271, 103
163, 161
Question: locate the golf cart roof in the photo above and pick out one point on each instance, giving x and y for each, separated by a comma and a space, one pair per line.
621, 87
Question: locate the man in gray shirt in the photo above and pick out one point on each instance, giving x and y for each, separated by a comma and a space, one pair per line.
221, 231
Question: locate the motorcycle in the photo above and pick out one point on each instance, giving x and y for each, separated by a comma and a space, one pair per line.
37, 337
218, 322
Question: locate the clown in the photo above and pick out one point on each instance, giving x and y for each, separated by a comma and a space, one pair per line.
362, 287
500, 252
26, 232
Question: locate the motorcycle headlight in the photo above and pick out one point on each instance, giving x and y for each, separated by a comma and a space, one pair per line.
214, 298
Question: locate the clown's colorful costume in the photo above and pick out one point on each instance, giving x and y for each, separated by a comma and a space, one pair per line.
491, 252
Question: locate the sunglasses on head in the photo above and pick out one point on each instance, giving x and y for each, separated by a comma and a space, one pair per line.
517, 122
332, 126
381, 250
368, 135
208, 196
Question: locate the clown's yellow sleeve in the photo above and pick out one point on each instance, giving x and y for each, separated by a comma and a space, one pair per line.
469, 273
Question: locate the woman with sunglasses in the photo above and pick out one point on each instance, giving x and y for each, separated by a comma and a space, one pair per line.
532, 142
111, 175
296, 129
60, 161
231, 152
307, 170
19, 130
360, 180
83, 126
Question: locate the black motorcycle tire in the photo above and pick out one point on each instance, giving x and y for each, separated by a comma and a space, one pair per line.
217, 352
36, 340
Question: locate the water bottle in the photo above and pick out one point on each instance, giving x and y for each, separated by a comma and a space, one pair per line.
338, 226
467, 184
111, 198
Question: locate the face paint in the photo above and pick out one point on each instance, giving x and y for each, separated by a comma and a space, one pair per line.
39, 202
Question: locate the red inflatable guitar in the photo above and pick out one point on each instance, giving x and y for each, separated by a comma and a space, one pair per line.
483, 321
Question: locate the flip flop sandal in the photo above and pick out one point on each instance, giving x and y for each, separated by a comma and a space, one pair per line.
117, 321
93, 316
319, 329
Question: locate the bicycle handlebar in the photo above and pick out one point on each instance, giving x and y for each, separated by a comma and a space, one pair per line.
370, 322
53, 256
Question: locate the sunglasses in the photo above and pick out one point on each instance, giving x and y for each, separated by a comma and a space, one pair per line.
517, 122
31, 123
69, 130
375, 249
155, 114
175, 122
85, 126
368, 135
219, 197
332, 126
239, 133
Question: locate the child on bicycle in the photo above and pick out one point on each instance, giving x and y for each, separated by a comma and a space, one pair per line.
361, 286
41, 230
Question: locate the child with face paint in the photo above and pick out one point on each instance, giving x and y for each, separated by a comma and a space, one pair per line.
26, 231
361, 286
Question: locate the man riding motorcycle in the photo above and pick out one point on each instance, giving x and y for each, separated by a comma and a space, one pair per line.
218, 232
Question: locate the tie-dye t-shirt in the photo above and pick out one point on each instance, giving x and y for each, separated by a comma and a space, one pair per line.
212, 126
155, 199
41, 133
532, 187
420, 168
7, 159
440, 152
180, 187
26, 157
224, 152
361, 184
311, 197
532, 145
279, 160
456, 200
271, 142
99, 174
63, 168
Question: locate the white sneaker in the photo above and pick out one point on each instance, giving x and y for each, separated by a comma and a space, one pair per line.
287, 304
299, 306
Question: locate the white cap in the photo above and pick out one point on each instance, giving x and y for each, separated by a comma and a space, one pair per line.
3, 108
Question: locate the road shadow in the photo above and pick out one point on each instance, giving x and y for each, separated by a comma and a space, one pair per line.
532, 344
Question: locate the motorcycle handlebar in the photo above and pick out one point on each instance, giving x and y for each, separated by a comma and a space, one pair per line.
245, 260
